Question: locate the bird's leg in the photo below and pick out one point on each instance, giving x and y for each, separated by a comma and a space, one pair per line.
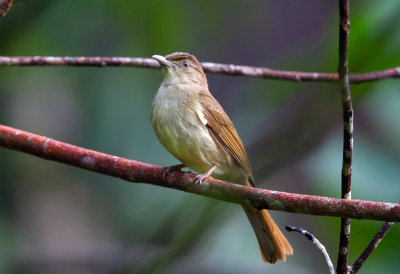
171, 168
200, 178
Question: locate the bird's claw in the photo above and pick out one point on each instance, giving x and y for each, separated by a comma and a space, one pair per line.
201, 178
171, 168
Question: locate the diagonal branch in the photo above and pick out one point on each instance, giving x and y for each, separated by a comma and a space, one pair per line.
371, 247
344, 25
227, 69
135, 171
317, 243
5, 6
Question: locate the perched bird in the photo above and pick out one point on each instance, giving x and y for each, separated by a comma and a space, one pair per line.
193, 127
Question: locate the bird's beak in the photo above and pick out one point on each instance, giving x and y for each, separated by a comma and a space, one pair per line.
163, 61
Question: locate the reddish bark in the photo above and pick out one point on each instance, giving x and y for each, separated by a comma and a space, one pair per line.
228, 69
135, 171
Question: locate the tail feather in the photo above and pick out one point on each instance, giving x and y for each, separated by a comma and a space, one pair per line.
273, 245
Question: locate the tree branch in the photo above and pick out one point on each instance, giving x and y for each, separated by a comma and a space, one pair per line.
135, 171
371, 247
228, 69
5, 6
317, 243
344, 25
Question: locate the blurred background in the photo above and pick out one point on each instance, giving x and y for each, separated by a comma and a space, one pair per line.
56, 218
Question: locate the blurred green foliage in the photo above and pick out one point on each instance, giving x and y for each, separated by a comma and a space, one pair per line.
59, 219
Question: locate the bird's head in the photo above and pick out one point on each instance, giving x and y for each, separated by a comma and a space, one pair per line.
181, 68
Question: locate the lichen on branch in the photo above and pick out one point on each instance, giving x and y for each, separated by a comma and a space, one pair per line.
138, 172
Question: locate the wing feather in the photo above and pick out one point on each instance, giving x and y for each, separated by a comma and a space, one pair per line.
223, 132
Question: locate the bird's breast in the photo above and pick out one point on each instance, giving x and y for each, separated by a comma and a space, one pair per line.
181, 131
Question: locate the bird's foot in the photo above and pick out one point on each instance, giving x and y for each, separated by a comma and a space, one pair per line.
171, 168
202, 177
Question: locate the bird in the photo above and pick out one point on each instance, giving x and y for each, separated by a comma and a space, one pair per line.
191, 124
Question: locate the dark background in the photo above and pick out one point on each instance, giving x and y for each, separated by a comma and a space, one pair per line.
59, 219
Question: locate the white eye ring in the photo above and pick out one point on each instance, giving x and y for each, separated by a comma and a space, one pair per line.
186, 64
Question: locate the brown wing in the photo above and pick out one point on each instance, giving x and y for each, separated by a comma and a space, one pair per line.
223, 131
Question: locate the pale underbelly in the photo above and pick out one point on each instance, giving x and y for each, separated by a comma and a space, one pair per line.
193, 145
189, 140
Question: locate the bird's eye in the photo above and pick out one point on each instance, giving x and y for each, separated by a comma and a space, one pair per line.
186, 64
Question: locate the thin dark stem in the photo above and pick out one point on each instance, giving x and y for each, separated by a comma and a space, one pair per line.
227, 69
317, 243
371, 247
134, 171
344, 25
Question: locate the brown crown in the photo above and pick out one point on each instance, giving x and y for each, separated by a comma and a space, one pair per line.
179, 56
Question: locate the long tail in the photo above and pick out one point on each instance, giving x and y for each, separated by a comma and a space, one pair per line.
273, 245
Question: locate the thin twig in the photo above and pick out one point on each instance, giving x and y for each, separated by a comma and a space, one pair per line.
134, 171
344, 25
227, 69
371, 247
317, 243
5, 6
